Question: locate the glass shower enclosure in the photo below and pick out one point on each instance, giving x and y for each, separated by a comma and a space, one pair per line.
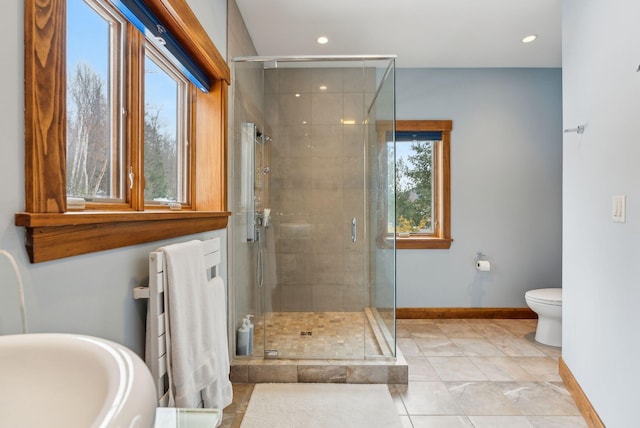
313, 226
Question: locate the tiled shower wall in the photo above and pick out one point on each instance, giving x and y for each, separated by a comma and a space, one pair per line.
315, 117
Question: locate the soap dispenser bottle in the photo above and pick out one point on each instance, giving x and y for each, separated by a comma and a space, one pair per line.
251, 328
242, 338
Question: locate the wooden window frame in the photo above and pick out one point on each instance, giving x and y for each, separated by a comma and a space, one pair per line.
440, 238
52, 232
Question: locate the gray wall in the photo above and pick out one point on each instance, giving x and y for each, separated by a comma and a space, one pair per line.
601, 89
90, 294
506, 180
212, 14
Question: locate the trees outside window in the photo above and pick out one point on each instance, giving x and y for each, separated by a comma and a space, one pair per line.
414, 186
422, 188
86, 117
165, 137
95, 113
87, 131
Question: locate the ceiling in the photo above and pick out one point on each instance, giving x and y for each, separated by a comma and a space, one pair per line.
422, 33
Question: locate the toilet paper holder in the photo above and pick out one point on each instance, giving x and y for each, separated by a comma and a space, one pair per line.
481, 263
480, 256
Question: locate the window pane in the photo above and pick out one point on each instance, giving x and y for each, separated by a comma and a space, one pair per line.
93, 131
164, 124
414, 186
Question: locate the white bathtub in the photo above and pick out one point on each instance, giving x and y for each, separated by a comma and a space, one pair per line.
68, 380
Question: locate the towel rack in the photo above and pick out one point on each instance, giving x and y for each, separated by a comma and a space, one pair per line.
579, 129
212, 259
156, 349
141, 293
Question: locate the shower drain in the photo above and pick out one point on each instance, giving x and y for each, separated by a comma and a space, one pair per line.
271, 353
305, 333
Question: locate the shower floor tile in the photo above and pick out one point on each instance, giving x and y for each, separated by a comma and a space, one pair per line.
316, 335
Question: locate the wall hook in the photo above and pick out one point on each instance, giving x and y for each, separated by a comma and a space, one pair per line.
579, 129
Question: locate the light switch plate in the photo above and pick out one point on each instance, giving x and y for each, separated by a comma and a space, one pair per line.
619, 208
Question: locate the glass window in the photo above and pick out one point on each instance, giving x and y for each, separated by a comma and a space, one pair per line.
96, 153
95, 35
96, 147
414, 186
422, 203
165, 123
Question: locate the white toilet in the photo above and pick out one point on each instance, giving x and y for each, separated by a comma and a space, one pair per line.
547, 303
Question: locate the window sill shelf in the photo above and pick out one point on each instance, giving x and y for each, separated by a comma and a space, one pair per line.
56, 236
415, 243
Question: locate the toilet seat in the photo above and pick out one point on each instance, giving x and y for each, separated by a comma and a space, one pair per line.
545, 296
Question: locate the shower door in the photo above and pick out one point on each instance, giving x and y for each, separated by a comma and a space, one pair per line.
314, 303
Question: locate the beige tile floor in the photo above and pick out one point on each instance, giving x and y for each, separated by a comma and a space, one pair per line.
470, 373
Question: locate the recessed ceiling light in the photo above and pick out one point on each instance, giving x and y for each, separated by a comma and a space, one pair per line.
323, 88
297, 95
323, 40
530, 38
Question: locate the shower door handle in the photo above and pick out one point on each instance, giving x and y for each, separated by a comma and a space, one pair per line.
354, 229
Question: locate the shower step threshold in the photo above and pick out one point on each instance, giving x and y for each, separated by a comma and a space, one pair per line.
265, 370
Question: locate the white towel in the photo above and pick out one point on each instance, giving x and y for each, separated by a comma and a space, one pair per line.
191, 342
220, 394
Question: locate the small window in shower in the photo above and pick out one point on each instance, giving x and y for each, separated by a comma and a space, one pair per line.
422, 201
